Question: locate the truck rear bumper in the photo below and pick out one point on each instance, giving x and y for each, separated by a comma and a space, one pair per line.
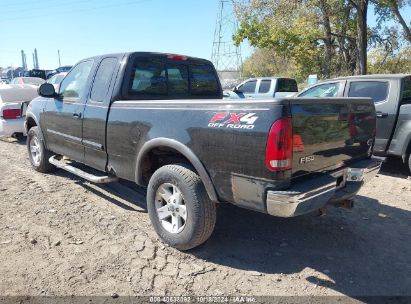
311, 195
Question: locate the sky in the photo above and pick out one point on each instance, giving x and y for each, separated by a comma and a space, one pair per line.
84, 28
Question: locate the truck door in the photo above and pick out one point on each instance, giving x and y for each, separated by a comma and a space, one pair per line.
63, 115
379, 91
95, 113
247, 89
265, 88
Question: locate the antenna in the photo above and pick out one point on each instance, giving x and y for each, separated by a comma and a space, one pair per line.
225, 55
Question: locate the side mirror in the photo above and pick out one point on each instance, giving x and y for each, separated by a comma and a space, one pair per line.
46, 90
237, 90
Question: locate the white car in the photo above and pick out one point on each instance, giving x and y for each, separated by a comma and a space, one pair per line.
55, 80
14, 100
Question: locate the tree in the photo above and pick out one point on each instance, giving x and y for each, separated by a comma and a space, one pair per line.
362, 39
391, 9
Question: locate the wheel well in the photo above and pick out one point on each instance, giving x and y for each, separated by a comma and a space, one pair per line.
30, 123
159, 157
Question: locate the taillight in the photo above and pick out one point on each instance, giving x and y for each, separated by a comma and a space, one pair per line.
11, 113
279, 149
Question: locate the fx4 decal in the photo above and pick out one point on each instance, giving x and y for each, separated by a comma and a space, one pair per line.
233, 120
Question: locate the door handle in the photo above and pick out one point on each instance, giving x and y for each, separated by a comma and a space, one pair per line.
77, 115
381, 114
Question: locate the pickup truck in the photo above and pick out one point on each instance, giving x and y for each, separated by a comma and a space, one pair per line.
159, 120
392, 97
264, 88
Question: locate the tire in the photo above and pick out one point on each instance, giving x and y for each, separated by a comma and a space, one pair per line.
39, 158
171, 188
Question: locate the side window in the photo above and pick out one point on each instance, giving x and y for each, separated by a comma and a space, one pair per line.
203, 80
74, 84
323, 90
264, 86
377, 90
248, 87
103, 78
177, 79
148, 78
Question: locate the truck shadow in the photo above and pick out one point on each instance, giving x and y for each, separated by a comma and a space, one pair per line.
363, 251
395, 167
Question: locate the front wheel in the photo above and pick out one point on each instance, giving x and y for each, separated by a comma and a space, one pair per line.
38, 154
409, 162
179, 208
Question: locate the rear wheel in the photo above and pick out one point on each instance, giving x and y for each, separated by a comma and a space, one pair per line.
180, 210
38, 154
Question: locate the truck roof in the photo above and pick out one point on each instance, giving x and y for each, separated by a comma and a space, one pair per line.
154, 54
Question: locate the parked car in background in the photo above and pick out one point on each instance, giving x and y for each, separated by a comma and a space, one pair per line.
56, 80
28, 80
392, 97
62, 69
263, 88
159, 120
14, 100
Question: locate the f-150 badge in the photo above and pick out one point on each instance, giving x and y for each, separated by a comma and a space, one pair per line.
233, 120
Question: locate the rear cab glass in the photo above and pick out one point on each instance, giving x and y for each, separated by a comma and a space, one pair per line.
377, 90
159, 77
286, 85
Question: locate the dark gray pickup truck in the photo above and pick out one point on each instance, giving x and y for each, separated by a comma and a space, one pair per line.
392, 97
159, 120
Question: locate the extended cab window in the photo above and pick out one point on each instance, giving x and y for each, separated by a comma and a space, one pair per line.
103, 79
322, 90
264, 86
74, 84
377, 90
248, 87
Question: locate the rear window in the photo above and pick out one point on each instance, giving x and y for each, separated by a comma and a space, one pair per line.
157, 79
377, 90
406, 90
286, 85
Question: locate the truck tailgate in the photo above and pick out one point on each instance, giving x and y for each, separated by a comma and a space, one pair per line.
329, 133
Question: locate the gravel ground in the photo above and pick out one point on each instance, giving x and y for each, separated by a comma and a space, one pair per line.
60, 235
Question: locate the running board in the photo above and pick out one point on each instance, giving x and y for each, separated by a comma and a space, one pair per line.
76, 171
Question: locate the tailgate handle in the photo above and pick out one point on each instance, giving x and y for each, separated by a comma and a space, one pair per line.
381, 114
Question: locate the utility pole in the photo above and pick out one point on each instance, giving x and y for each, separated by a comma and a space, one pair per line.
58, 52
226, 56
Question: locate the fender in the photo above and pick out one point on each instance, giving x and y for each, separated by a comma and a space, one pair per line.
186, 152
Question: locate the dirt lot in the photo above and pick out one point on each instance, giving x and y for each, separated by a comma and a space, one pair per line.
60, 236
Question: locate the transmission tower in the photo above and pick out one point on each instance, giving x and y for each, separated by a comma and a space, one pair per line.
226, 56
